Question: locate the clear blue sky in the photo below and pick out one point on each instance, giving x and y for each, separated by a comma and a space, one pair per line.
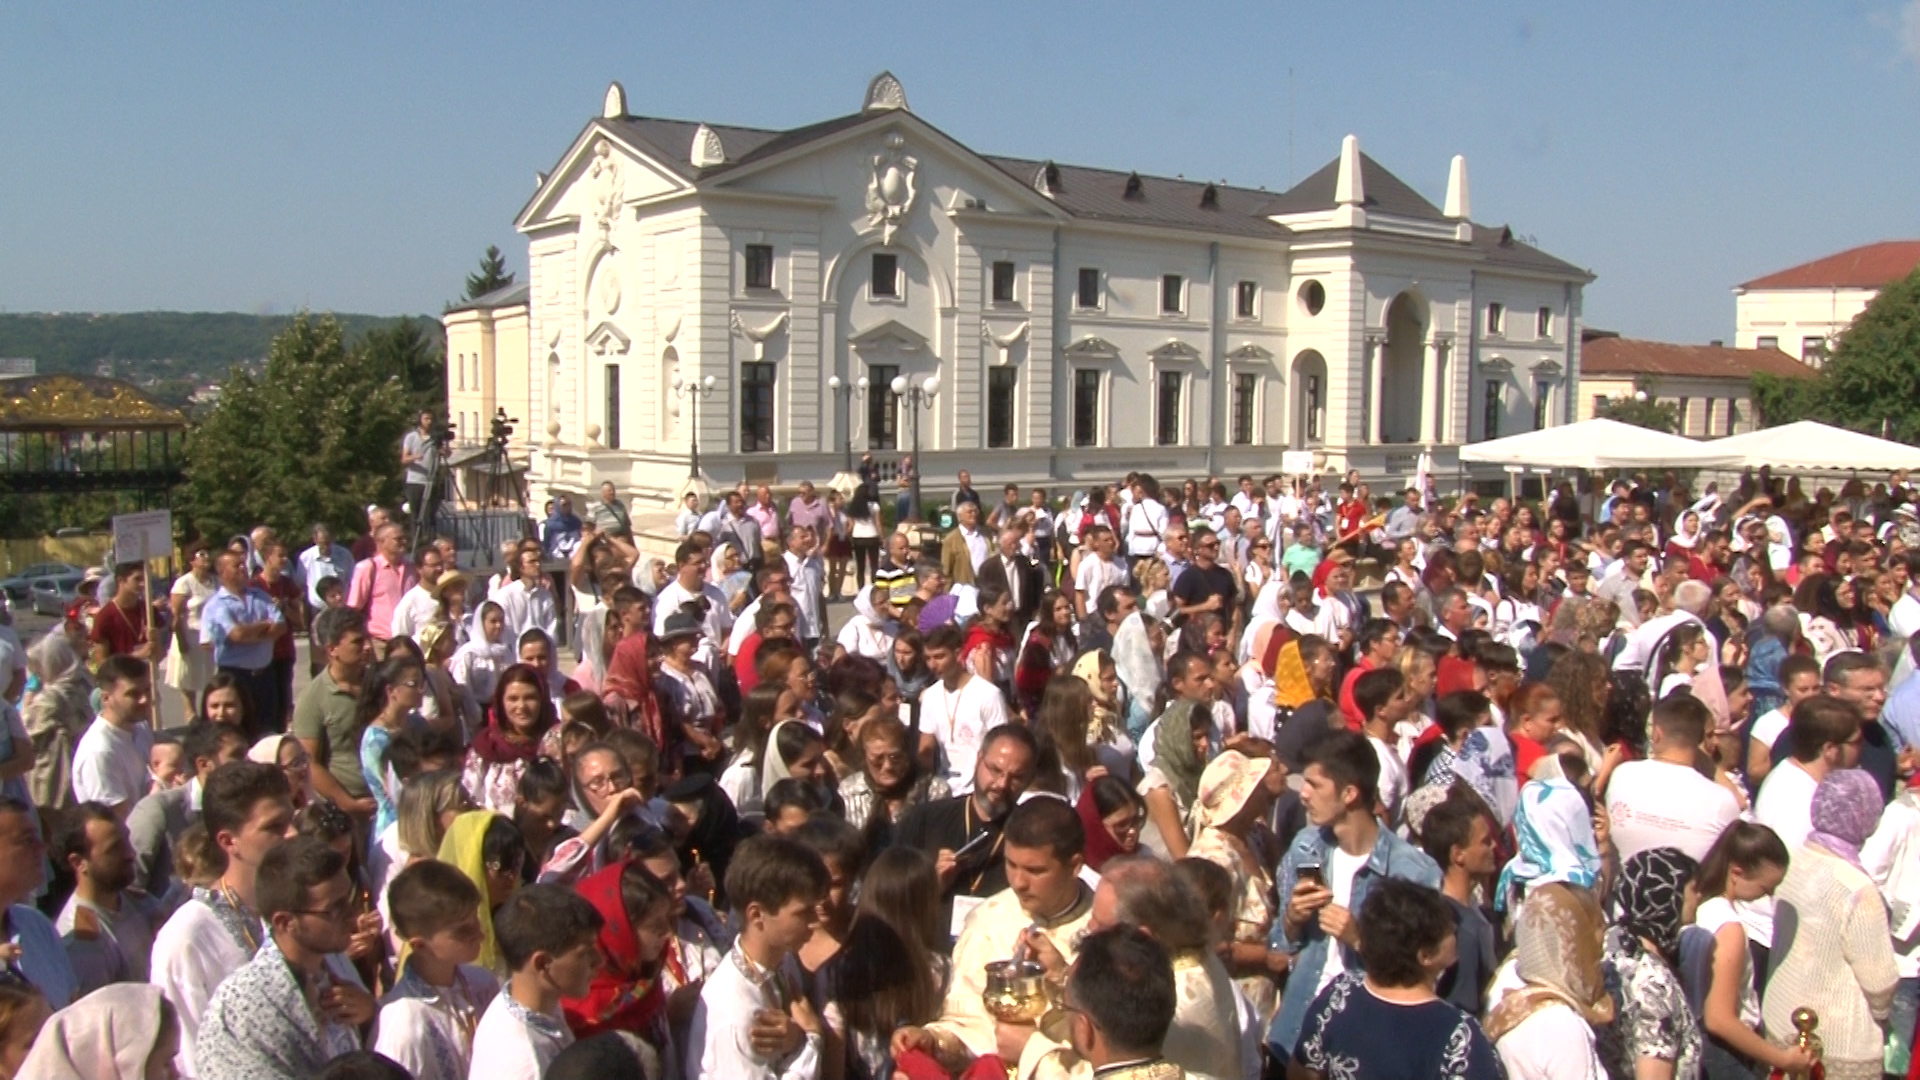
358, 157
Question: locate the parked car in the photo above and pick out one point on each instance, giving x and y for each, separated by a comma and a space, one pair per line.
17, 586
52, 595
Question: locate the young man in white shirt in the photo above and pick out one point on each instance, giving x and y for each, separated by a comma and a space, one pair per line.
690, 583
110, 763
547, 936
1383, 701
527, 601
1664, 801
421, 604
247, 808
808, 577
1098, 569
955, 712
1144, 520
1799, 680
754, 1021
1824, 733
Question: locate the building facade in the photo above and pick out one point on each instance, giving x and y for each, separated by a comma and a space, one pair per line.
763, 293
1711, 386
1799, 310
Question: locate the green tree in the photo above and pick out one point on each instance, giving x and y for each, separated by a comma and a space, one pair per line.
1872, 381
314, 437
1643, 409
408, 350
493, 274
1781, 400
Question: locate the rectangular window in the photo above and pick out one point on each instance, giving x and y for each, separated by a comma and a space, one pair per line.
1167, 430
1543, 323
1086, 407
759, 266
1313, 408
1768, 342
1496, 317
886, 275
1245, 389
1490, 409
1001, 382
1003, 283
756, 408
883, 408
1246, 298
613, 407
1172, 298
1599, 404
462, 376
1812, 349
1542, 396
1088, 295
1686, 421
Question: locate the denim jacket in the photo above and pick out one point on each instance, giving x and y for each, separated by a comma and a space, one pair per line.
1392, 857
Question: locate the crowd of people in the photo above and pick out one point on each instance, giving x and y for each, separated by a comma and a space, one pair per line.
1270, 780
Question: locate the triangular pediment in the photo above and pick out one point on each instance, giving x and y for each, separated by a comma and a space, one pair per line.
1548, 369
890, 336
1498, 365
1093, 348
607, 339
1251, 353
637, 174
1175, 349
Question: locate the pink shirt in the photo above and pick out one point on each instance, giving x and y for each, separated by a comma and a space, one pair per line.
768, 519
376, 589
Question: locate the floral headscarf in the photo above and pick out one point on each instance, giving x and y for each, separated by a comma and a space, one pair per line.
1106, 720
1485, 762
1557, 950
1650, 896
1226, 784
1555, 832
1846, 810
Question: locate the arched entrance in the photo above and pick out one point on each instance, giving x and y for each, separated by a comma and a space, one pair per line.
1307, 418
1400, 369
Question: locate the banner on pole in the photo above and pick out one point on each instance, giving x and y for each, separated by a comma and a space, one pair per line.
142, 536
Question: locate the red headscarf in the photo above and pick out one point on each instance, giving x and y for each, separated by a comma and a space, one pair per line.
1100, 844
492, 744
628, 688
620, 998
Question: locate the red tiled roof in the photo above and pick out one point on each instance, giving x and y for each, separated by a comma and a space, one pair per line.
1603, 356
1866, 267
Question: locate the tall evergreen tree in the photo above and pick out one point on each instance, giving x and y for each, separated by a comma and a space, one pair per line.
493, 274
314, 437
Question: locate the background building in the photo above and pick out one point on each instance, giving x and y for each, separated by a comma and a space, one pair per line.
1798, 310
1711, 385
1071, 323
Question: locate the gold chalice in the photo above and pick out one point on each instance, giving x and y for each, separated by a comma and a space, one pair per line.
1016, 991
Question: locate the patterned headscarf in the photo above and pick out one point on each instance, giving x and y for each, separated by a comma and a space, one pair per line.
1651, 894
1555, 832
1846, 810
1557, 949
1105, 720
1173, 752
1416, 807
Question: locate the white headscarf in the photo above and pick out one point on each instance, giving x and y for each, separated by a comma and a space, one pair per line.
1266, 611
772, 768
643, 573
1133, 660
1681, 537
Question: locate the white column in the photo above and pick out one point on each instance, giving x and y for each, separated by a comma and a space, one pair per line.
1429, 391
1376, 400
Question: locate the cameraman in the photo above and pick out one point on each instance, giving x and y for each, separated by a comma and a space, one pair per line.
417, 461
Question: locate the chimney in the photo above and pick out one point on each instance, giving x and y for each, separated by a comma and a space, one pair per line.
1349, 189
1459, 205
1717, 343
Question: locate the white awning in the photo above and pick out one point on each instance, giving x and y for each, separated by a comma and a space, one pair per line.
1598, 444
1810, 446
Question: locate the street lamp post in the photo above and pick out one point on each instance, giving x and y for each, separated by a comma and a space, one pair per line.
916, 396
693, 391
847, 392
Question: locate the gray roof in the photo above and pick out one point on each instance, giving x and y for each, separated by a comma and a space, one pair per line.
1101, 194
504, 296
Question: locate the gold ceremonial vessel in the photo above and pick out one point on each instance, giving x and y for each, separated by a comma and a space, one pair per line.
1016, 991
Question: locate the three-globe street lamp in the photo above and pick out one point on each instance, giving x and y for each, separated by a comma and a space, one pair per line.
846, 393
693, 391
916, 396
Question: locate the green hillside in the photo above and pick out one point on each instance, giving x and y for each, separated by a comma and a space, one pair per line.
168, 352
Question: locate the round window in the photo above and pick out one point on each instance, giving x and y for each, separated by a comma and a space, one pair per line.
1313, 297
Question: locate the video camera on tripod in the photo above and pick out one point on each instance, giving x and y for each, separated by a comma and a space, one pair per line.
501, 429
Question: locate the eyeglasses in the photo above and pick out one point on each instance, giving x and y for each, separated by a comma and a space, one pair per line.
334, 912
609, 782
897, 757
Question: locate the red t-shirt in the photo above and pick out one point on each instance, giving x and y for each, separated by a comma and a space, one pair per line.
1525, 752
119, 632
287, 595
1350, 515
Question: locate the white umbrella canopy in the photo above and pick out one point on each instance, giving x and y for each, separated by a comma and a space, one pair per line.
1810, 446
1598, 444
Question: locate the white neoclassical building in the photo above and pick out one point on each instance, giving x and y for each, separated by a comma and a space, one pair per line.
764, 291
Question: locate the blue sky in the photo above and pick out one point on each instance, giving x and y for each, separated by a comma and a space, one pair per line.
359, 156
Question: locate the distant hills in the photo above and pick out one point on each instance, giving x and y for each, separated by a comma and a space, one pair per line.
169, 353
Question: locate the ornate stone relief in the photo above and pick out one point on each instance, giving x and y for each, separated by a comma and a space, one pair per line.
707, 151
891, 191
609, 189
1004, 342
884, 92
758, 335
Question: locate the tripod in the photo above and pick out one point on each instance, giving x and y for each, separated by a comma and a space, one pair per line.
483, 529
